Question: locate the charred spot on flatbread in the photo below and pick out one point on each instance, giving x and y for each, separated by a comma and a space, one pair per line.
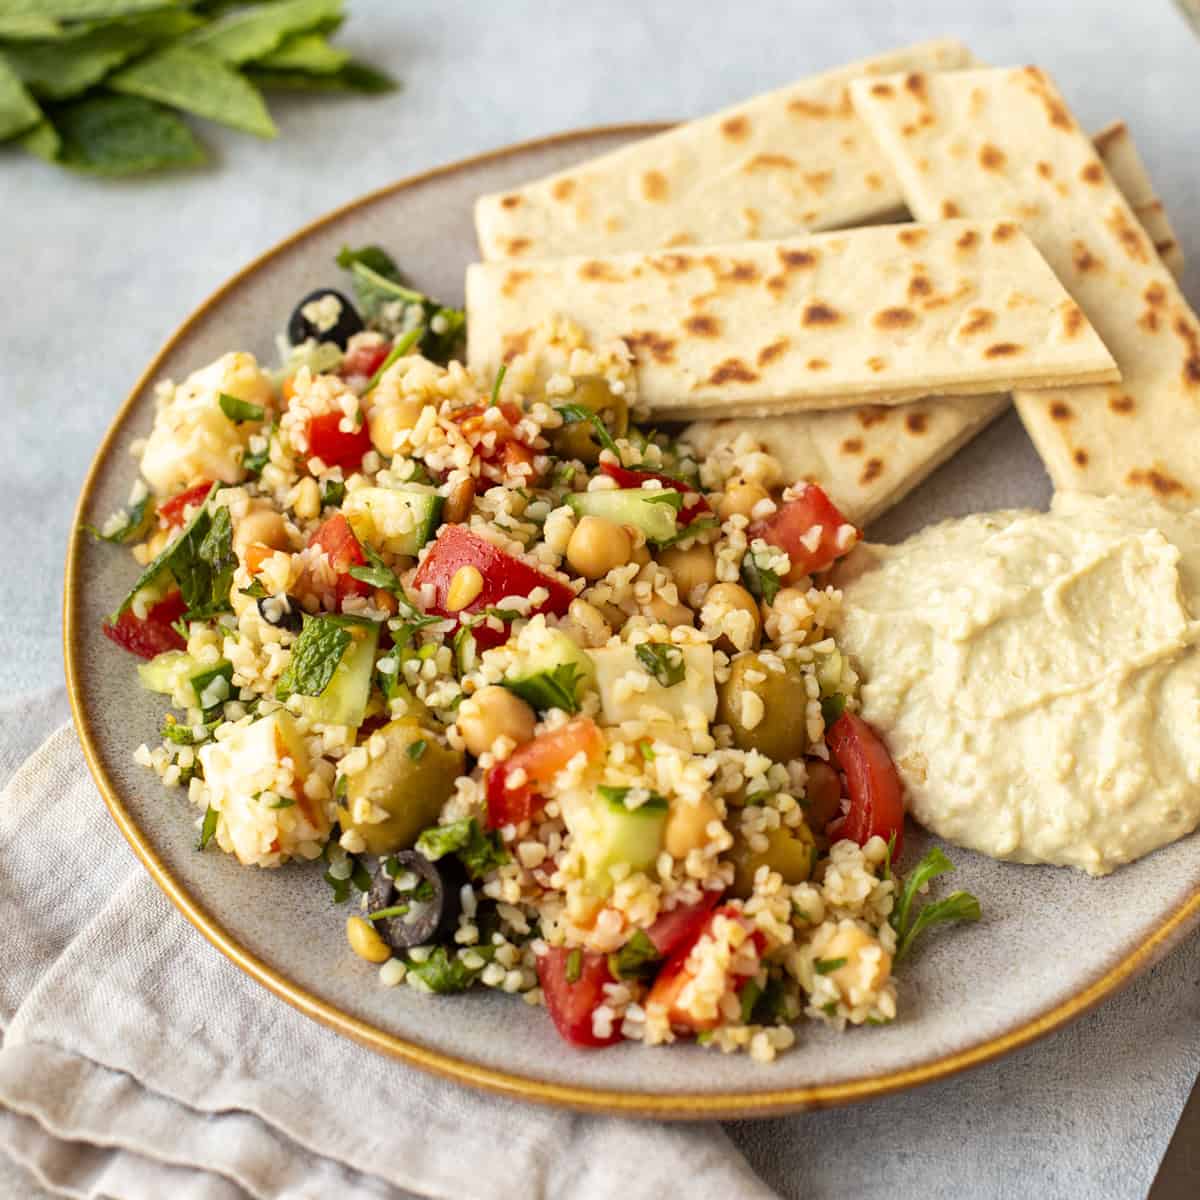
658, 346
736, 129
895, 318
1158, 481
916, 422
769, 353
732, 370
1002, 350
703, 325
816, 312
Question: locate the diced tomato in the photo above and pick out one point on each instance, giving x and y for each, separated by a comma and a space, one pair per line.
152, 634
571, 1005
515, 455
171, 512
456, 547
365, 359
681, 925
336, 539
790, 528
873, 785
630, 479
675, 975
541, 760
255, 555
333, 445
503, 447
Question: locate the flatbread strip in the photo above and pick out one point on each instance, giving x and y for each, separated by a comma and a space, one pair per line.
1002, 143
883, 314
868, 459
1120, 155
791, 160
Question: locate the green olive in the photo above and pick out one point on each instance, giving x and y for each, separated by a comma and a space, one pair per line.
790, 852
577, 439
410, 784
780, 732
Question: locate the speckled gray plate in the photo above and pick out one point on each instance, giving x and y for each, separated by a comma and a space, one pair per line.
1051, 943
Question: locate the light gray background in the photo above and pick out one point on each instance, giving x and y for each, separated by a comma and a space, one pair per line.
96, 275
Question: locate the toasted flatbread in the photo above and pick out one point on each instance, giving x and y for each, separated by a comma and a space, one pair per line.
883, 314
1003, 144
1120, 155
793, 159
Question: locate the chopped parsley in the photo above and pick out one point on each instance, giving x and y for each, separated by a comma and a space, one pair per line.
239, 410
958, 906
208, 828
415, 749
638, 958
315, 656
443, 974
668, 496
399, 350
825, 966
256, 590
577, 412
617, 795
254, 461
333, 492
574, 967
283, 802
749, 998
185, 735
496, 385
832, 707
690, 530
761, 582
662, 660
479, 852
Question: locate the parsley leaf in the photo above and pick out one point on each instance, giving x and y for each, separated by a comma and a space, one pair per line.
690, 530
333, 492
574, 967
662, 660
958, 906
185, 735
832, 707
135, 523
577, 412
239, 410
479, 852
668, 496
416, 749
825, 966
315, 656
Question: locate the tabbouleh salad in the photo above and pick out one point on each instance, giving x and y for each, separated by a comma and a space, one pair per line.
558, 704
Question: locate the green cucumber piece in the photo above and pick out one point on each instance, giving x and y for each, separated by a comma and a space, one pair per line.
344, 700
554, 672
609, 834
167, 671
398, 520
652, 511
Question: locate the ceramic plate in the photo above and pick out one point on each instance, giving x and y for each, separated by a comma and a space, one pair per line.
1052, 942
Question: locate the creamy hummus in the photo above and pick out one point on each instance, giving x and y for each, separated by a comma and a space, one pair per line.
1036, 676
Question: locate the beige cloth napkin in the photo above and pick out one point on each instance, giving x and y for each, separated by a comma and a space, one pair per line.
138, 1062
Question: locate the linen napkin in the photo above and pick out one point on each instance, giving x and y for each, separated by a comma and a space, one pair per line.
139, 1062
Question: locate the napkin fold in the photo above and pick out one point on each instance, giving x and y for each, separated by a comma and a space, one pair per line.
139, 1062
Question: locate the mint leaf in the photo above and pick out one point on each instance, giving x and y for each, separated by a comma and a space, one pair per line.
315, 656
239, 410
662, 660
246, 34
61, 69
18, 110
135, 523
308, 52
121, 135
189, 79
558, 688
204, 569
761, 582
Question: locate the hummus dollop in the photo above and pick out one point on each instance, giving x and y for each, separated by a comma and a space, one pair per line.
1036, 676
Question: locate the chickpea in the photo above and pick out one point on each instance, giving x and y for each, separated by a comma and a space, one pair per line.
365, 941
726, 599
494, 712
666, 612
598, 545
264, 526
867, 964
692, 568
641, 553
687, 826
392, 417
592, 627
740, 498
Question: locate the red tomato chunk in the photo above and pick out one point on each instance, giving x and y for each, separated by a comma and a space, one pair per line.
571, 1004
876, 797
152, 634
171, 512
333, 445
336, 539
791, 525
503, 575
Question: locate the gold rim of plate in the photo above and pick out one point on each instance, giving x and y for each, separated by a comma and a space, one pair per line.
675, 1105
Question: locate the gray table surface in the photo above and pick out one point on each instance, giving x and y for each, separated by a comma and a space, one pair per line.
96, 274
